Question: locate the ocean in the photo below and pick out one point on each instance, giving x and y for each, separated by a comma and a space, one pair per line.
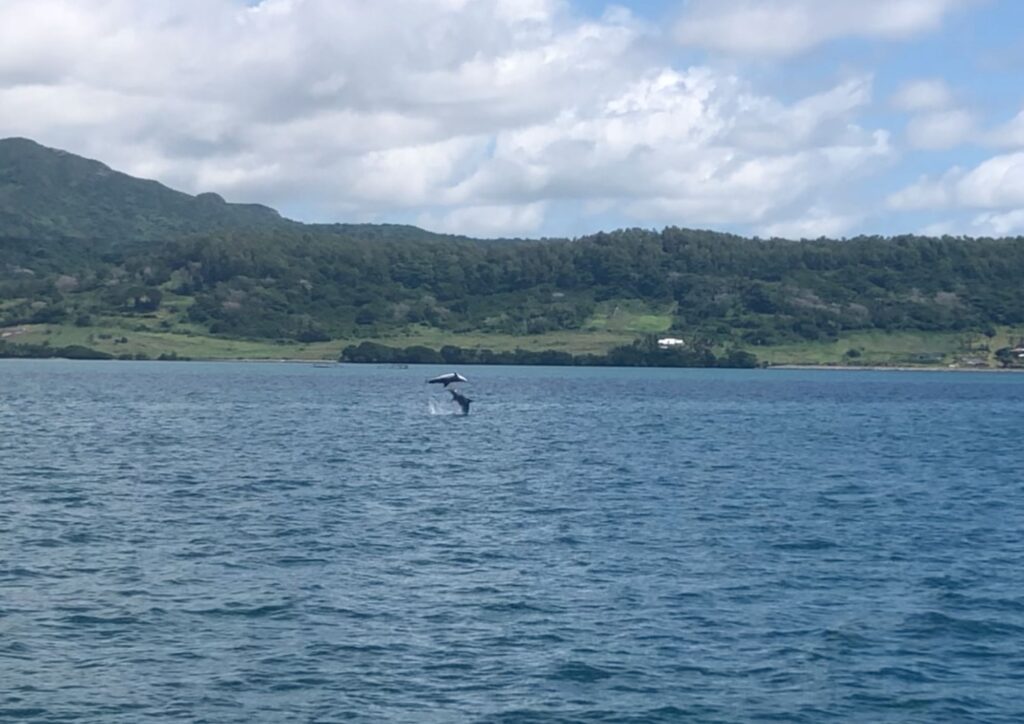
275, 542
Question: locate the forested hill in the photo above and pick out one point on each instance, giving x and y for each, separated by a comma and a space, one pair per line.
718, 286
48, 194
197, 264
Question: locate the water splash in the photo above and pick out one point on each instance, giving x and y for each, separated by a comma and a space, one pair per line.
442, 407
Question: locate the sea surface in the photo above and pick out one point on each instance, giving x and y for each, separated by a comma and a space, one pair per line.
232, 542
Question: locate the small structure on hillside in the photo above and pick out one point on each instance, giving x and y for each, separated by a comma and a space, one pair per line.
670, 343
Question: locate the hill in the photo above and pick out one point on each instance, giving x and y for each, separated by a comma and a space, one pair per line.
51, 194
91, 254
48, 194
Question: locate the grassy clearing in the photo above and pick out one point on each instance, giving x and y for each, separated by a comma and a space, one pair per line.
168, 332
574, 342
897, 348
629, 317
155, 343
873, 348
138, 339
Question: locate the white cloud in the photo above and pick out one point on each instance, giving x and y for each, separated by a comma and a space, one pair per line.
929, 94
1010, 223
937, 124
815, 223
39, 40
945, 228
414, 175
926, 193
481, 113
993, 224
1010, 133
940, 129
997, 183
787, 27
488, 221
674, 145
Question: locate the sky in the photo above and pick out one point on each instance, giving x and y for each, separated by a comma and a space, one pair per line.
790, 118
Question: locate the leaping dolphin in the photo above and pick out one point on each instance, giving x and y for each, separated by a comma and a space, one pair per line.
447, 379
462, 400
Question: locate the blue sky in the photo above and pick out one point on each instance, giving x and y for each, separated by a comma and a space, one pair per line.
794, 118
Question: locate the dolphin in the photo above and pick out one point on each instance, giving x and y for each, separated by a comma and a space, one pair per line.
447, 379
462, 400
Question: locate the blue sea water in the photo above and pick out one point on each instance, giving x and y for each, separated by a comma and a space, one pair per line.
288, 543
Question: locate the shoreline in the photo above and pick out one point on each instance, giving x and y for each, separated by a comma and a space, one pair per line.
338, 363
892, 368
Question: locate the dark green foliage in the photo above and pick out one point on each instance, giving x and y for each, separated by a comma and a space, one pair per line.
44, 351
761, 292
642, 353
79, 242
302, 286
738, 358
370, 352
1006, 357
51, 194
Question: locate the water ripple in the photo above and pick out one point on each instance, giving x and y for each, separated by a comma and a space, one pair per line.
283, 543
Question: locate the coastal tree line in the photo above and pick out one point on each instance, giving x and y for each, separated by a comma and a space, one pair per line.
643, 352
315, 283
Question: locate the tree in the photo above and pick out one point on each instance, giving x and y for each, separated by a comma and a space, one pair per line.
1005, 356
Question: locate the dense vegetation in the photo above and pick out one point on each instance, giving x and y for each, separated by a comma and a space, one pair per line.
641, 353
39, 351
299, 285
79, 243
50, 194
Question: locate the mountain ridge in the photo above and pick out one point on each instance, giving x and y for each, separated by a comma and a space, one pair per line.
49, 193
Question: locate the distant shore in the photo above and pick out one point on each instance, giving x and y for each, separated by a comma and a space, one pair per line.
641, 353
893, 368
333, 363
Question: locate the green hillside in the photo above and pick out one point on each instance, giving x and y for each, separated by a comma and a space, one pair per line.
51, 194
93, 257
